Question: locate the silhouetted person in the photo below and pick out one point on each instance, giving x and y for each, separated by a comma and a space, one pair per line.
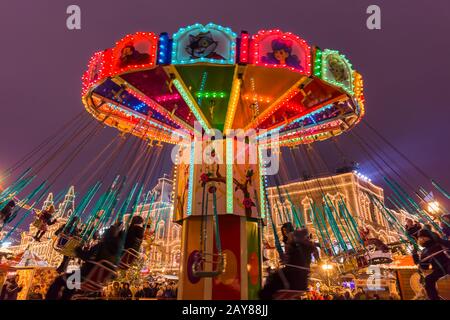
6, 213
44, 219
435, 254
10, 289
294, 275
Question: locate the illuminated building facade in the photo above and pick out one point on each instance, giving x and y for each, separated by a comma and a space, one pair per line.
352, 187
44, 249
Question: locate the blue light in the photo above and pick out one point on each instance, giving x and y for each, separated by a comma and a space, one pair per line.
165, 48
140, 107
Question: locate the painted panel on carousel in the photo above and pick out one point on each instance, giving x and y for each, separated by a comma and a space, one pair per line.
336, 69
197, 43
135, 51
246, 189
182, 183
235, 184
278, 49
210, 178
245, 180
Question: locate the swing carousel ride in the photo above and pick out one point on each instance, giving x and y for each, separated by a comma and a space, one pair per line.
207, 81
154, 86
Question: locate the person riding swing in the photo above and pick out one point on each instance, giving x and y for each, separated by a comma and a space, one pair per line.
435, 254
293, 277
6, 214
44, 219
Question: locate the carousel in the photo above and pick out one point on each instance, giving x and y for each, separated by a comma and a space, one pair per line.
227, 103
207, 82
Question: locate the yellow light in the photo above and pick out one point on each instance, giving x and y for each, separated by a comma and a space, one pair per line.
327, 266
434, 207
232, 104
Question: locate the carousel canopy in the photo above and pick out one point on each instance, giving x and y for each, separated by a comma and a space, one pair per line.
157, 86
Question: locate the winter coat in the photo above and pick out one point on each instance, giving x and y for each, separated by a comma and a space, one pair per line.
10, 290
435, 253
413, 230
134, 237
5, 213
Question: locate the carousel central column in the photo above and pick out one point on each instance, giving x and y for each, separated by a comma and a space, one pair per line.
217, 200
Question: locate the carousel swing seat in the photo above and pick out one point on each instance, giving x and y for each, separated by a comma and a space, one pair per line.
216, 261
376, 255
66, 244
129, 256
38, 224
287, 293
101, 273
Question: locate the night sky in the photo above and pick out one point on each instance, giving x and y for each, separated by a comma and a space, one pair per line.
405, 65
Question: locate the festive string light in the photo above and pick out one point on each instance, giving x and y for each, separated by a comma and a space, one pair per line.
191, 104
262, 183
280, 102
229, 178
358, 87
155, 106
164, 48
96, 68
244, 47
318, 63
168, 97
232, 104
191, 178
362, 176
158, 125
256, 98
211, 94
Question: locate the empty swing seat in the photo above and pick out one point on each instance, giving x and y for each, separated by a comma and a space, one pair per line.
66, 245
128, 257
101, 273
379, 257
199, 266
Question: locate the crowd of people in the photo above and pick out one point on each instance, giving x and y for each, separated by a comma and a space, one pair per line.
147, 290
342, 293
431, 254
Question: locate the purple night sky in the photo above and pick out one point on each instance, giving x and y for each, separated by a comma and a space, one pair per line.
406, 64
